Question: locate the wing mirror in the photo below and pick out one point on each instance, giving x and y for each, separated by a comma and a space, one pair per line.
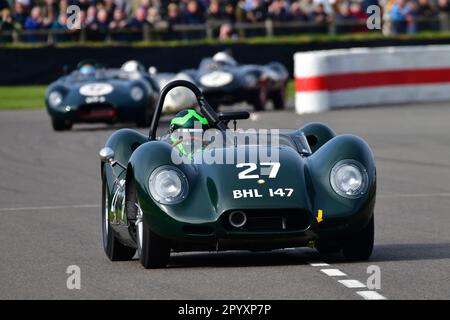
234, 115
107, 155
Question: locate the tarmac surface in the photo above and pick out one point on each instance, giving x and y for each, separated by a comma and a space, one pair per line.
50, 218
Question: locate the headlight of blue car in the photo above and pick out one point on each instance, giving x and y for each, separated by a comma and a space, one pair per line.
168, 185
55, 98
137, 93
349, 179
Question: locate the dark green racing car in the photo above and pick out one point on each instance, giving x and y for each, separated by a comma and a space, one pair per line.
204, 186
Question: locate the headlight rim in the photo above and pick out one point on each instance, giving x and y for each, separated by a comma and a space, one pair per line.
142, 93
184, 185
61, 97
364, 176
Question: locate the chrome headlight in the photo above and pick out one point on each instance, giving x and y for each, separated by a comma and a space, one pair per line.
55, 98
136, 93
168, 185
349, 179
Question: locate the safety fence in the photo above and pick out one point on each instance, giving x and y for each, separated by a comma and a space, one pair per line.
211, 30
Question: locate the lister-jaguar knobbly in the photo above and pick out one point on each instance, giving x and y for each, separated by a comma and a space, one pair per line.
92, 93
320, 190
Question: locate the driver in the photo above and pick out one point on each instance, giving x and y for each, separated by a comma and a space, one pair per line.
87, 70
187, 122
224, 58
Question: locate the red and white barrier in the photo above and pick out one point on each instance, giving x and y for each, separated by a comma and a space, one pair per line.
331, 79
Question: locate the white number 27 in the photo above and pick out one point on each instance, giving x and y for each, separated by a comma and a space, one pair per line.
251, 167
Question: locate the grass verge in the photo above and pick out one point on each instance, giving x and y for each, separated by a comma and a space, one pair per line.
32, 97
22, 97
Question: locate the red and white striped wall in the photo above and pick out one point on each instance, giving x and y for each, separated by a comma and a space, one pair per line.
331, 79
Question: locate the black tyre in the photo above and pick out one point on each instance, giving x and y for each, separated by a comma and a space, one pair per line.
259, 101
114, 249
61, 124
279, 98
153, 250
359, 247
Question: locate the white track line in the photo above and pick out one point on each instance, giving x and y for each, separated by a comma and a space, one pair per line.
318, 264
350, 283
79, 206
333, 272
371, 295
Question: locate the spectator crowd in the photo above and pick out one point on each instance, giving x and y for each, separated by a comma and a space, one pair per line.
104, 15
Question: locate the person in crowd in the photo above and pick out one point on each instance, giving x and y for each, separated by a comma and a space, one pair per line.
91, 17
153, 16
306, 6
426, 13
139, 20
35, 20
6, 20
227, 32
319, 14
229, 11
278, 10
193, 13
110, 7
102, 21
125, 5
20, 13
402, 16
256, 10
443, 6
118, 21
173, 15
214, 12
296, 13
425, 9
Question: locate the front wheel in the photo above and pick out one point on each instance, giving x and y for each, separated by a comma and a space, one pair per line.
359, 247
59, 124
114, 249
279, 98
259, 100
153, 250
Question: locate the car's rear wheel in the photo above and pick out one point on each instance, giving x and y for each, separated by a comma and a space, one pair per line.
279, 98
153, 250
114, 249
259, 100
59, 124
359, 247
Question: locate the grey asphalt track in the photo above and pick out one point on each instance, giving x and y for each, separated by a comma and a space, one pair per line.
50, 218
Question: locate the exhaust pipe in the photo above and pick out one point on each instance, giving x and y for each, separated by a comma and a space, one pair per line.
237, 219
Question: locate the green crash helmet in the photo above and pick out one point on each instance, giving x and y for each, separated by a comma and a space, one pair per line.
187, 119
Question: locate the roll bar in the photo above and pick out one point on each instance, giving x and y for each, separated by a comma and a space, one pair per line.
206, 109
